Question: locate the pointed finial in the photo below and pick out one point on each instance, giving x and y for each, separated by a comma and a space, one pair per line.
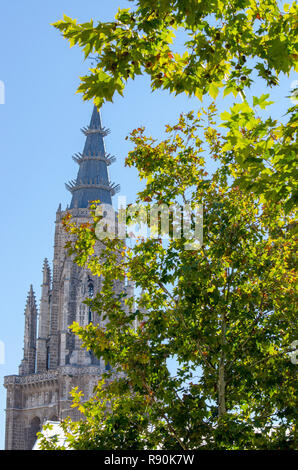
31, 302
46, 272
95, 122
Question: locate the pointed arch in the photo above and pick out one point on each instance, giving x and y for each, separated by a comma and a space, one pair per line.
34, 428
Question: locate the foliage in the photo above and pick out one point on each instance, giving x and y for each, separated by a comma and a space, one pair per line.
227, 46
225, 313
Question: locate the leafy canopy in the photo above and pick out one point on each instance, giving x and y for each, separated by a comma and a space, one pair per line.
227, 46
225, 313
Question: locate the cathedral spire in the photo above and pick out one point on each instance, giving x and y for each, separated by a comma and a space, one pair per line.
46, 271
92, 181
44, 320
28, 363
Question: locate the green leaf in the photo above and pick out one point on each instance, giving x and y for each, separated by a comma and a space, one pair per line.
213, 91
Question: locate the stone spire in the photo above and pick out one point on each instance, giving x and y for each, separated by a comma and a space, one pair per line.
46, 273
44, 319
28, 363
92, 181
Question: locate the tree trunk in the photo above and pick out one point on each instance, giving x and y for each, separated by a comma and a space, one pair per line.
221, 372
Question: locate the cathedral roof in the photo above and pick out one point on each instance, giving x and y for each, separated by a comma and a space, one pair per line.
92, 182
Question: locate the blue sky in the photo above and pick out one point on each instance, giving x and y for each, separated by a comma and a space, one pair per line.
40, 130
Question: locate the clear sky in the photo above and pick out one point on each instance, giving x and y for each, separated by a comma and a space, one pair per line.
40, 125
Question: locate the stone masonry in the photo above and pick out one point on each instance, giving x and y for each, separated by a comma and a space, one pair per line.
54, 361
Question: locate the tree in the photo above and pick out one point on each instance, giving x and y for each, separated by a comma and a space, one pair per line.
225, 312
227, 45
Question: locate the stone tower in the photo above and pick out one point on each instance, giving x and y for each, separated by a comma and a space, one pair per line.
54, 361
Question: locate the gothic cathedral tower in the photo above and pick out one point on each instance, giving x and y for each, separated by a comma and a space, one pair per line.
54, 361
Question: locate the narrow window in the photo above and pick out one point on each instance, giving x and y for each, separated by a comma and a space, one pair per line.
48, 358
90, 295
90, 289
